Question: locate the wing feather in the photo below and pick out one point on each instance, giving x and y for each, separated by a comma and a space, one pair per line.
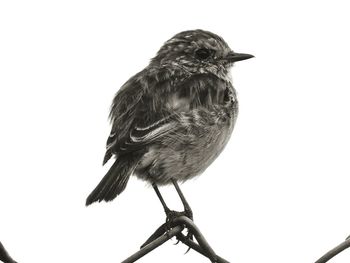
140, 112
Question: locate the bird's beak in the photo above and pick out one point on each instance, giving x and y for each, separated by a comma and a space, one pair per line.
233, 57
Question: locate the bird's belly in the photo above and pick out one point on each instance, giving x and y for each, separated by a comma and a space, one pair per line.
184, 158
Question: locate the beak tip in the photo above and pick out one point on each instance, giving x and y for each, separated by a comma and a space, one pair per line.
234, 57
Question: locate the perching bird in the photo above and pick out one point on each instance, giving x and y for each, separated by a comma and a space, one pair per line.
171, 120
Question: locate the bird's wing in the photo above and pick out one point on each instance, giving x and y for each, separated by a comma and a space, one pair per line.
146, 107
174, 127
123, 112
141, 136
138, 112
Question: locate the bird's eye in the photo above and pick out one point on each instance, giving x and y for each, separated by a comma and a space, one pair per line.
203, 53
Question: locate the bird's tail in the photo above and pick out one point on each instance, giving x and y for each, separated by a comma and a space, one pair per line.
115, 181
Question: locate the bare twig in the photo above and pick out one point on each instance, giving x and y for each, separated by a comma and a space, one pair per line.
4, 256
335, 251
156, 243
197, 248
159, 237
202, 247
202, 242
159, 232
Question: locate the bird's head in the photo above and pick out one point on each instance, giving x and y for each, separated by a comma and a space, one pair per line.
198, 51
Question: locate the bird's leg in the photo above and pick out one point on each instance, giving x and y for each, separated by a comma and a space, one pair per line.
166, 208
170, 214
187, 208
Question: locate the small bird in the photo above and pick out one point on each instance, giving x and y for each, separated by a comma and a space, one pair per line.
171, 120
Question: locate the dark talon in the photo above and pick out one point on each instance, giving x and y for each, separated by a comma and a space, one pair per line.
187, 250
189, 236
171, 215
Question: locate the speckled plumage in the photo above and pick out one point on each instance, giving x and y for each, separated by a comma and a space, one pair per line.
171, 120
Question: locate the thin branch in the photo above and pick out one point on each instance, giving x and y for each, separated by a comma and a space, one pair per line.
4, 256
202, 242
156, 243
159, 232
197, 248
335, 251
203, 248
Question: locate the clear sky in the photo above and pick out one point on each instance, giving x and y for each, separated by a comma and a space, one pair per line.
278, 193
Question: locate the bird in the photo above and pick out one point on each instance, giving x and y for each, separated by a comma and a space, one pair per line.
171, 120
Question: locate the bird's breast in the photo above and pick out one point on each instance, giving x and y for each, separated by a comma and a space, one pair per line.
199, 138
177, 103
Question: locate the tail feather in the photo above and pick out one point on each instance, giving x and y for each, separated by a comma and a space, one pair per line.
115, 180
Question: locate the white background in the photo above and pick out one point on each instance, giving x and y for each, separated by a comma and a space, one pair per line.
278, 193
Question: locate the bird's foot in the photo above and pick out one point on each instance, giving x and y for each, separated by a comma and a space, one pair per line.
189, 236
171, 215
188, 213
165, 227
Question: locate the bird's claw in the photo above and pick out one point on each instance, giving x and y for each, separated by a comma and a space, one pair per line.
172, 215
189, 236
